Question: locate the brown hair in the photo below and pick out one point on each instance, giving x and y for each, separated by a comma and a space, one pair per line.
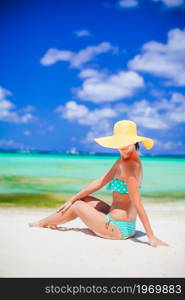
136, 146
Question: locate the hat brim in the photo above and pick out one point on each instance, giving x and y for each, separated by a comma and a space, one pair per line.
119, 141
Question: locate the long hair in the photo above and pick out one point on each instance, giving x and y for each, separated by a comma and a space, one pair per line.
136, 146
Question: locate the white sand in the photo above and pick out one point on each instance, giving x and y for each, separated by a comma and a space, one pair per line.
44, 252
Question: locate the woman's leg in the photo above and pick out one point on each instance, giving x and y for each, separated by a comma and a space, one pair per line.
95, 220
55, 219
69, 215
97, 203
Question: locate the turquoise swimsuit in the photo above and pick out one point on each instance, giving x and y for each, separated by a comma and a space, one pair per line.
118, 186
127, 228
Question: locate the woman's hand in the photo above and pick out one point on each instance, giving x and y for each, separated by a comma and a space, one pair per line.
155, 242
64, 207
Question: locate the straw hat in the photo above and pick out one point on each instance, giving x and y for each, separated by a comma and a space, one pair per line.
124, 134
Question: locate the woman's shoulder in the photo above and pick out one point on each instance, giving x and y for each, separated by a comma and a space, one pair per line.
127, 164
133, 161
136, 167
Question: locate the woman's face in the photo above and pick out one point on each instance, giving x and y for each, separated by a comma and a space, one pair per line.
126, 151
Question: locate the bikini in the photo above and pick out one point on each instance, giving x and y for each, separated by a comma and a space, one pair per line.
127, 228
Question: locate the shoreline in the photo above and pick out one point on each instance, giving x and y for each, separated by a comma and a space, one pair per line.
53, 200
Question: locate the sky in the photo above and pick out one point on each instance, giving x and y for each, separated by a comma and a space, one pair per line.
69, 70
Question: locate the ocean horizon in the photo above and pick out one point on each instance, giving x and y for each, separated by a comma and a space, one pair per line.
84, 153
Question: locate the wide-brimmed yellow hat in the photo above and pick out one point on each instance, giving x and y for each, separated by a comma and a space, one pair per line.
124, 134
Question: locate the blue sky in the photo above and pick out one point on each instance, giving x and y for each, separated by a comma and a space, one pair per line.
71, 69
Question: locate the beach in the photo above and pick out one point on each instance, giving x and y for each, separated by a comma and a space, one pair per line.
32, 186
73, 250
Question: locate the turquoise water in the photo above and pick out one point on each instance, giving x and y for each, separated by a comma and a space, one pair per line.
40, 173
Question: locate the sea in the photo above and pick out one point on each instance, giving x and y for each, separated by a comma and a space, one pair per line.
63, 173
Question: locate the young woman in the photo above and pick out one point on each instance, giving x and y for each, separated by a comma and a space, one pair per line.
117, 221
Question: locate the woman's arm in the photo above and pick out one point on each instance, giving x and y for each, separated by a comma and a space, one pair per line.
96, 184
90, 188
134, 195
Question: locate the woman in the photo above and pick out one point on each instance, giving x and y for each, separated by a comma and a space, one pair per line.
117, 221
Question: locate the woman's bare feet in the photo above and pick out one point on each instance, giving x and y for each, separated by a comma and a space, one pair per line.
36, 224
39, 224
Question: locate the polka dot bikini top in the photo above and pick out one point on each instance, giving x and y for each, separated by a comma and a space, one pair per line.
118, 186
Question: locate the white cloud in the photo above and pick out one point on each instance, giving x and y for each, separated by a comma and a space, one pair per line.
83, 32
89, 73
8, 112
169, 145
73, 138
72, 111
104, 128
171, 3
76, 60
5, 143
100, 87
162, 114
175, 108
99, 120
27, 132
146, 114
51, 128
80, 113
134, 3
128, 3
54, 55
157, 93
44, 128
163, 60
27, 108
